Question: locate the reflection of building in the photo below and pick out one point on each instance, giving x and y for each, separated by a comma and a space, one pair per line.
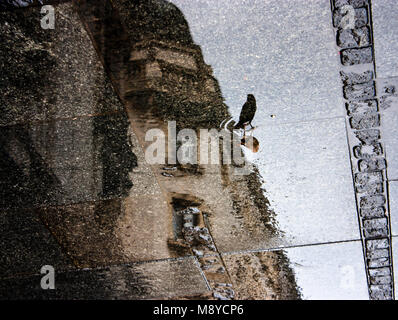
166, 65
164, 77
84, 145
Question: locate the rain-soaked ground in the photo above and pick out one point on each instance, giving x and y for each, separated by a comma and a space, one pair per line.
314, 215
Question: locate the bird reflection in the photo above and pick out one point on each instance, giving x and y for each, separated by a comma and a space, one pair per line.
246, 117
251, 143
247, 113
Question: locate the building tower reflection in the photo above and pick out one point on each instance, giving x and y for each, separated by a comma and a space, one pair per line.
160, 73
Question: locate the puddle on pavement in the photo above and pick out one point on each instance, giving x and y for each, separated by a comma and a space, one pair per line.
84, 173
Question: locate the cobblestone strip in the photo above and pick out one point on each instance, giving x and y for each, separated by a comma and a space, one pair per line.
354, 38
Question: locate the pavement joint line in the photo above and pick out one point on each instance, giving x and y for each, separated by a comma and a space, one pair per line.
198, 266
57, 119
289, 247
304, 121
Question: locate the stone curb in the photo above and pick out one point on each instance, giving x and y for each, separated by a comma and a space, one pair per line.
355, 41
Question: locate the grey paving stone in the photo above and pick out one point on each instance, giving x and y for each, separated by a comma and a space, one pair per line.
372, 201
354, 3
372, 165
49, 74
371, 183
377, 253
379, 262
361, 91
364, 121
331, 271
113, 231
356, 56
298, 161
361, 17
362, 108
353, 38
395, 258
385, 279
393, 197
26, 245
373, 212
389, 132
369, 136
377, 244
381, 292
375, 228
351, 78
163, 279
255, 46
385, 32
368, 152
66, 161
379, 272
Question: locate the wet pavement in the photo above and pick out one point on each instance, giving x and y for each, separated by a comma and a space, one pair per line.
309, 220
385, 15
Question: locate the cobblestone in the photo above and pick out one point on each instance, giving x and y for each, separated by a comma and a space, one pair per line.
369, 136
379, 263
370, 213
368, 151
380, 292
380, 272
352, 38
361, 91
361, 17
363, 107
371, 182
376, 228
359, 122
373, 201
377, 254
372, 165
380, 280
356, 56
350, 78
353, 3
368, 163
377, 244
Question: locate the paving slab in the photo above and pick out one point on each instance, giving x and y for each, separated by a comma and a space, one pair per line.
67, 161
308, 182
324, 272
385, 33
389, 130
48, 74
100, 233
26, 245
282, 52
161, 279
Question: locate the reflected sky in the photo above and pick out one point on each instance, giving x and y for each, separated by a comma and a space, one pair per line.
284, 56
288, 59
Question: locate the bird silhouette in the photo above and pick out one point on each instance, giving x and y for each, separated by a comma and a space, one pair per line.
247, 113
